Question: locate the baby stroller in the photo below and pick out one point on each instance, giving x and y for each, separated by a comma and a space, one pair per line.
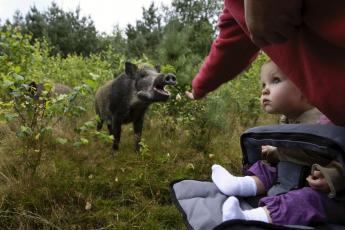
200, 202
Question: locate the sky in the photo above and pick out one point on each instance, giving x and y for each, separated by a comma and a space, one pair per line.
104, 13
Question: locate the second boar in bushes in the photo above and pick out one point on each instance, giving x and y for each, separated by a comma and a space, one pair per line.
36, 89
126, 98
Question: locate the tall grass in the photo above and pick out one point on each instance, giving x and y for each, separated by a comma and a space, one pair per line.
95, 188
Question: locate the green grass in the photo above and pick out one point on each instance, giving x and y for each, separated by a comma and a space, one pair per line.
93, 187
124, 190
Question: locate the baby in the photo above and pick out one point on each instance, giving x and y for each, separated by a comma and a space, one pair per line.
299, 206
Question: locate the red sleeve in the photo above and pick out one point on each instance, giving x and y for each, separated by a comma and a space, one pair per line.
230, 54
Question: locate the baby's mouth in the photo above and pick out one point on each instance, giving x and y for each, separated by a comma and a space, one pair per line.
266, 102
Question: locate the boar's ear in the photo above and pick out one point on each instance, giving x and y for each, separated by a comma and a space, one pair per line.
158, 68
130, 69
33, 90
33, 84
33, 87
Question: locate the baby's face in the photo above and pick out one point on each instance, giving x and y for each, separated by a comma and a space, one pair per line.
279, 95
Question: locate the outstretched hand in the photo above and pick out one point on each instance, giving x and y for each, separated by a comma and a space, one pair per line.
190, 95
317, 181
272, 21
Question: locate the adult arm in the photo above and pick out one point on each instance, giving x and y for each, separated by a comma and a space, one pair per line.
231, 52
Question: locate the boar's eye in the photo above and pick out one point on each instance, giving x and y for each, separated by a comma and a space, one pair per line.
143, 74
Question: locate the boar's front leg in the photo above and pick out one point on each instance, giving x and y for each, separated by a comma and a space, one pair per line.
116, 131
138, 128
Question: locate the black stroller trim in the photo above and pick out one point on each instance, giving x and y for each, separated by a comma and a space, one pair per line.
328, 140
254, 225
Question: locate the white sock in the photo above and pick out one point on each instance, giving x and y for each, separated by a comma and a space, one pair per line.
232, 210
232, 185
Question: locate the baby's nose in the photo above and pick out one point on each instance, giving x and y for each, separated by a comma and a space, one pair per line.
265, 91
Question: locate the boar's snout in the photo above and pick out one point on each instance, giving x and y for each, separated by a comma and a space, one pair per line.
170, 79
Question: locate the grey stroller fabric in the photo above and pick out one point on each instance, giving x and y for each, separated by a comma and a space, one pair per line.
201, 202
288, 179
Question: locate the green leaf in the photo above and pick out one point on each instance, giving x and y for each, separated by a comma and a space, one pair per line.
84, 141
77, 144
47, 130
61, 97
61, 141
17, 69
18, 77
24, 131
91, 83
95, 77
90, 124
10, 117
104, 137
168, 69
7, 83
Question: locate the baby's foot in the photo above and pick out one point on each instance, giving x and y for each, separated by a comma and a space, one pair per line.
233, 185
232, 210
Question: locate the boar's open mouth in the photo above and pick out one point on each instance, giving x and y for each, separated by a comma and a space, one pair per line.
161, 90
161, 94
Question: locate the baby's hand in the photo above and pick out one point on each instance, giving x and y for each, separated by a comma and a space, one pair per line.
317, 181
266, 150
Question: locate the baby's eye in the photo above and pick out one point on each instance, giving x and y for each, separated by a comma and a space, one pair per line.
276, 80
263, 85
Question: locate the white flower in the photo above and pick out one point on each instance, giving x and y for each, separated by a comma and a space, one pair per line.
88, 205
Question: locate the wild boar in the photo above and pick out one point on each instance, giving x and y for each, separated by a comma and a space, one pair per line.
126, 98
36, 89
